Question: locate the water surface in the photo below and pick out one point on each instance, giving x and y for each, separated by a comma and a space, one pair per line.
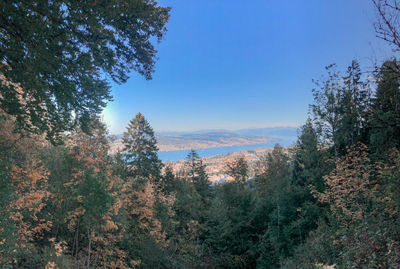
176, 155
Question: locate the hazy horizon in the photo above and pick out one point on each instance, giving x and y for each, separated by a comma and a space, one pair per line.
220, 129
246, 65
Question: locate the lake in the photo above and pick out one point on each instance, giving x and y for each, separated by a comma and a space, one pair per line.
177, 155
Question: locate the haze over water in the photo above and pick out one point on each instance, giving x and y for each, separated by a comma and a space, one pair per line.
177, 155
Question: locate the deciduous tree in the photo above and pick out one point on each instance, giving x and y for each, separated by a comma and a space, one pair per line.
59, 51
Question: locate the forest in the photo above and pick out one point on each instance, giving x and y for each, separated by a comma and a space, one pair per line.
332, 200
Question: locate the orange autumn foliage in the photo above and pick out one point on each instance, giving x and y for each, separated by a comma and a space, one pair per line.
28, 178
348, 188
140, 205
89, 156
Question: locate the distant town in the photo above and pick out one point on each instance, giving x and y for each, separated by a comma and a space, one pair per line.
216, 165
209, 139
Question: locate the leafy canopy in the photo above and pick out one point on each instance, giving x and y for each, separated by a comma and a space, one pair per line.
54, 56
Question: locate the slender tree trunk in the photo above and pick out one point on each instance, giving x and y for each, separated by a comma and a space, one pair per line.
278, 223
77, 241
89, 246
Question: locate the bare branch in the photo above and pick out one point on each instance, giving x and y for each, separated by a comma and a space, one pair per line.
387, 27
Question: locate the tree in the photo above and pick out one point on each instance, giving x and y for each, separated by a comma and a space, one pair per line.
355, 108
86, 205
363, 221
145, 238
273, 169
326, 107
308, 160
168, 181
24, 196
238, 169
54, 55
309, 167
341, 108
195, 172
348, 186
184, 240
274, 208
230, 233
141, 149
385, 118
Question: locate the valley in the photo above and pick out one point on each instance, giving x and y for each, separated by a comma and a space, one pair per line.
206, 139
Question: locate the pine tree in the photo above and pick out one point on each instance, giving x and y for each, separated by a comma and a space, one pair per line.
308, 165
354, 107
141, 149
230, 231
272, 170
196, 173
168, 181
385, 119
188, 210
341, 108
238, 169
273, 178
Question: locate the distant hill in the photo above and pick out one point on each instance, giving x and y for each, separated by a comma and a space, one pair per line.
207, 140
170, 141
277, 132
205, 131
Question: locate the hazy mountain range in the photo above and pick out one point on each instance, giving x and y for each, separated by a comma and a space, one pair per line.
169, 141
277, 132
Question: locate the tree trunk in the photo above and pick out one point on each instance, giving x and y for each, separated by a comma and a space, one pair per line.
90, 243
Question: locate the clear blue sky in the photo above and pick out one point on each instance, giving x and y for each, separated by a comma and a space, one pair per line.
234, 64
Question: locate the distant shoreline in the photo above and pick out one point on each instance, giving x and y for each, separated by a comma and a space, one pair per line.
178, 155
168, 148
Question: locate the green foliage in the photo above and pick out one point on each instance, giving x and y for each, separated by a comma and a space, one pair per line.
195, 172
168, 183
385, 119
311, 206
355, 107
341, 108
330, 201
360, 230
54, 55
308, 159
185, 244
238, 169
144, 239
272, 170
326, 107
230, 231
7, 225
275, 207
141, 149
